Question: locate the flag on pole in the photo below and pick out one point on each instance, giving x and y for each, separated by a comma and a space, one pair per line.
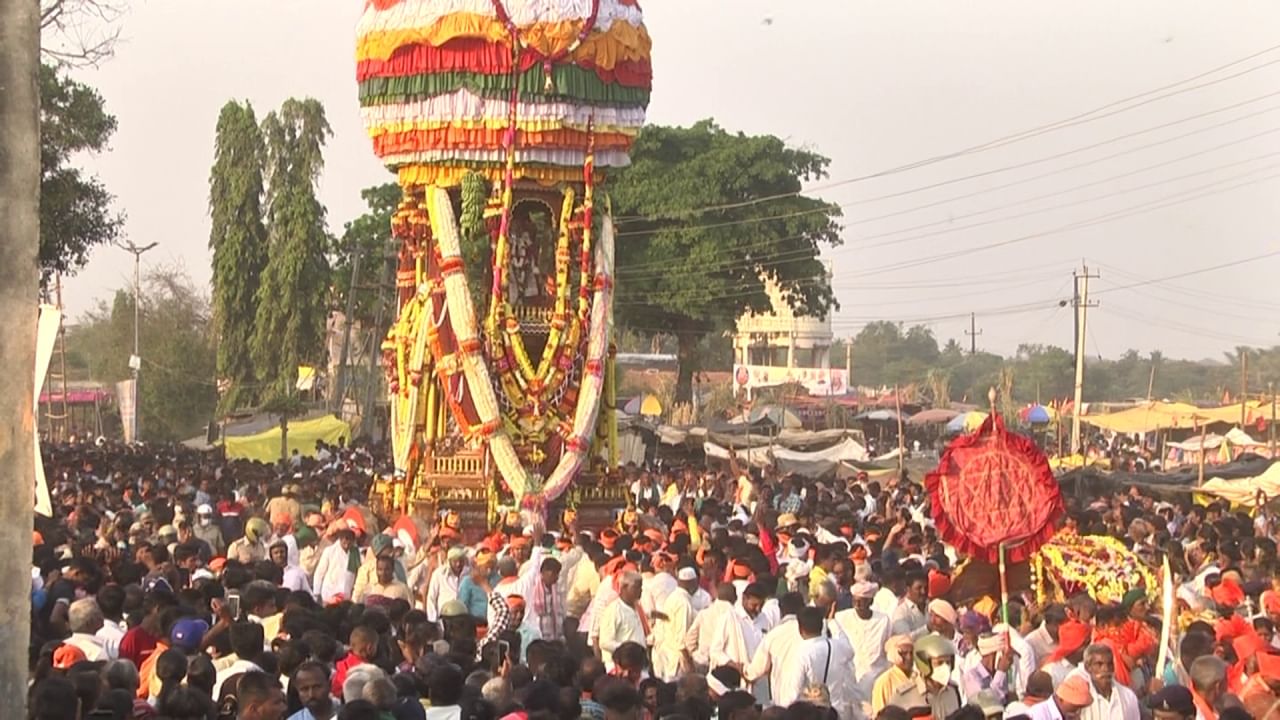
50, 319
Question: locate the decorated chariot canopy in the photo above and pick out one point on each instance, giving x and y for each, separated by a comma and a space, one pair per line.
442, 83
499, 118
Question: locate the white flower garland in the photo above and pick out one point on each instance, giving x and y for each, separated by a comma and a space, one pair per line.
463, 322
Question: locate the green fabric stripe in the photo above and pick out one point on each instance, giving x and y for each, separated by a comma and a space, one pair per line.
571, 84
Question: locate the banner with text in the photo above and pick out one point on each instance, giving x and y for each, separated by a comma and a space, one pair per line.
818, 381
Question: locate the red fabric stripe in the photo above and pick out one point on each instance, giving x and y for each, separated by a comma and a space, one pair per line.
479, 56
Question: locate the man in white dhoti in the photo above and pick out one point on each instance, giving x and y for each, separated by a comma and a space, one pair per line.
672, 621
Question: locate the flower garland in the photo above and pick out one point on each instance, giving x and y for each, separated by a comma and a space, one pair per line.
1100, 565
518, 43
463, 323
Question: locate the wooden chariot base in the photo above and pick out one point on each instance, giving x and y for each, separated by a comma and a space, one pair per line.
464, 483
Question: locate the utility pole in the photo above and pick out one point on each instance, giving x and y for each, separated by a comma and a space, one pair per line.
340, 388
19, 293
1082, 305
135, 360
973, 332
1244, 384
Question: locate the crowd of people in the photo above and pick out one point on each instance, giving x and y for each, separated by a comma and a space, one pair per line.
175, 584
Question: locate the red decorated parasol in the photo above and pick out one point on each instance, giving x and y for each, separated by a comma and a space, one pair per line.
994, 488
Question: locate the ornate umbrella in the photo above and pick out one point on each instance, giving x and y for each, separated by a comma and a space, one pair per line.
994, 488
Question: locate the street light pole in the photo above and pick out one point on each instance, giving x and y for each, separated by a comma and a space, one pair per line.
135, 360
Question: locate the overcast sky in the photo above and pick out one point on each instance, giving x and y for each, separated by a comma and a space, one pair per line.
1142, 191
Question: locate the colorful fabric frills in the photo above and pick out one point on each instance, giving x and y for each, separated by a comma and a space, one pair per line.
442, 81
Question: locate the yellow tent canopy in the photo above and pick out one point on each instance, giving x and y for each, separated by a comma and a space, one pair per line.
303, 435
1152, 416
1243, 492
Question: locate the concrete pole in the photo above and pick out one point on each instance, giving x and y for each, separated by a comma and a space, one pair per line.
19, 290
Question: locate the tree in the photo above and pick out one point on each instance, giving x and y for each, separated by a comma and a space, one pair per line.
293, 297
369, 237
177, 395
75, 208
238, 240
79, 32
691, 271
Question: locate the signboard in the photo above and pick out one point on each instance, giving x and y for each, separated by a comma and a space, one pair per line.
127, 401
818, 381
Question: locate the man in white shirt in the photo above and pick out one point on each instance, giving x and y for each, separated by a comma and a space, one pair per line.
658, 586
1110, 700
84, 618
670, 657
443, 584
867, 632
709, 628
819, 661
770, 656
1044, 639
908, 618
293, 577
623, 620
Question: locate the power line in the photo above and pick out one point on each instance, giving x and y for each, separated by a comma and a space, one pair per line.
1007, 168
1055, 193
1098, 220
1065, 205
1080, 118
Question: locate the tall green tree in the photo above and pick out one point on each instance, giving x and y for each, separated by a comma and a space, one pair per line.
689, 271
369, 237
293, 297
238, 239
177, 396
76, 211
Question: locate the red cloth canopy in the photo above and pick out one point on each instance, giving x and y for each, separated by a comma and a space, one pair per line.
993, 487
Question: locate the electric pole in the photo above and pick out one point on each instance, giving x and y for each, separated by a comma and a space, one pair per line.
1081, 304
341, 385
1244, 385
19, 295
135, 360
973, 332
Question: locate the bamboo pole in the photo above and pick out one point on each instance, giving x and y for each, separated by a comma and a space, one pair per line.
1200, 474
611, 403
902, 459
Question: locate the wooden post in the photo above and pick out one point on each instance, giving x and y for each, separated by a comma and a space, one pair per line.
902, 452
19, 288
1271, 390
1200, 475
1244, 385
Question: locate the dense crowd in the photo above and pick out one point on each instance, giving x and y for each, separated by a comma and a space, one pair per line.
174, 584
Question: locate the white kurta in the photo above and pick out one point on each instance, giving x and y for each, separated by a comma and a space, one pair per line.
441, 588
655, 591
619, 623
704, 632
821, 661
768, 661
669, 634
867, 638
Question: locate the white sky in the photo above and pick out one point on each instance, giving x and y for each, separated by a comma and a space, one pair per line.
871, 84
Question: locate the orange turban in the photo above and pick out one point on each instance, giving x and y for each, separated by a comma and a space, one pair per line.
608, 538
1075, 691
1232, 627
515, 602
1228, 594
741, 570
1072, 635
939, 584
